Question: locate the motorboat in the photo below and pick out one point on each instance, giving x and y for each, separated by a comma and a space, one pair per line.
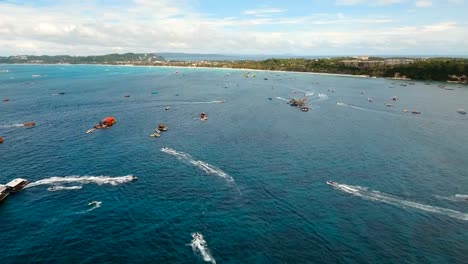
388, 105
126, 96
134, 178
405, 111
1, 140
461, 111
395, 98
6, 100
416, 112
305, 109
167, 108
162, 127
370, 100
29, 124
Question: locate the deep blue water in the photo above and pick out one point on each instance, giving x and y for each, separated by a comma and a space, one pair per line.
402, 178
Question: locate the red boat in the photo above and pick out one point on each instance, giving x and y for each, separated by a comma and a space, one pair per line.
29, 124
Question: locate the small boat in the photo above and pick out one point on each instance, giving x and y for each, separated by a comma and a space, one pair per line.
1, 140
53, 188
416, 112
94, 203
16, 185
266, 79
461, 111
6, 100
332, 183
370, 100
134, 178
305, 109
405, 111
388, 105
29, 124
395, 98
155, 135
162, 127
203, 116
167, 108
449, 89
154, 92
269, 98
126, 96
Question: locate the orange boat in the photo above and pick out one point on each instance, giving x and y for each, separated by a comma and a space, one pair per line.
1, 140
108, 121
29, 124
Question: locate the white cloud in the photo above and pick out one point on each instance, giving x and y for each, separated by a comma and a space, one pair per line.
263, 11
89, 29
423, 3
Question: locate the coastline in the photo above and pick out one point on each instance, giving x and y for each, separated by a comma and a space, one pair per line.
196, 67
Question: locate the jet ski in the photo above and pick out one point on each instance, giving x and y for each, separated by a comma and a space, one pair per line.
332, 183
94, 203
53, 188
134, 178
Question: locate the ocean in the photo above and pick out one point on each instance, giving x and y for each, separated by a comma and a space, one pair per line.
251, 179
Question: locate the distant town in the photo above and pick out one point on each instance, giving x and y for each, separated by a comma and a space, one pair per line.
430, 69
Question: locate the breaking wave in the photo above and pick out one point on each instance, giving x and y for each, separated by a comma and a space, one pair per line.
395, 201
454, 198
208, 168
199, 245
63, 188
100, 180
322, 96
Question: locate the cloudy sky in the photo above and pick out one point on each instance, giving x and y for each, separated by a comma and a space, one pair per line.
300, 27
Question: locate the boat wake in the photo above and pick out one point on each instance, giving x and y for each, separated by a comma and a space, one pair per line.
207, 168
12, 125
63, 188
95, 205
199, 245
396, 201
352, 106
454, 198
100, 180
281, 98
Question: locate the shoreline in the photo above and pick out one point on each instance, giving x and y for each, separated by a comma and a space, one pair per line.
196, 67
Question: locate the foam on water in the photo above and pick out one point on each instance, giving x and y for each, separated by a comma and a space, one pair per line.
454, 198
208, 168
100, 180
396, 201
63, 188
199, 245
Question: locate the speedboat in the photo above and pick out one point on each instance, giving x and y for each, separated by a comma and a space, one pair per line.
134, 178
388, 105
29, 124
370, 100
416, 112
461, 111
162, 127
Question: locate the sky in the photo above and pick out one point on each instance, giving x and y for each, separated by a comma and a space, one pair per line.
296, 27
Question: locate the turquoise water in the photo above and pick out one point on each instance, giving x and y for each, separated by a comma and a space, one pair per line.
251, 180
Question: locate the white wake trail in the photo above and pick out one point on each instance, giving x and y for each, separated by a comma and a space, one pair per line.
207, 168
454, 198
281, 98
395, 201
12, 125
199, 245
100, 180
63, 188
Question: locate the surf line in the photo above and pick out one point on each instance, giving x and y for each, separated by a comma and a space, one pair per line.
100, 180
207, 168
377, 196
